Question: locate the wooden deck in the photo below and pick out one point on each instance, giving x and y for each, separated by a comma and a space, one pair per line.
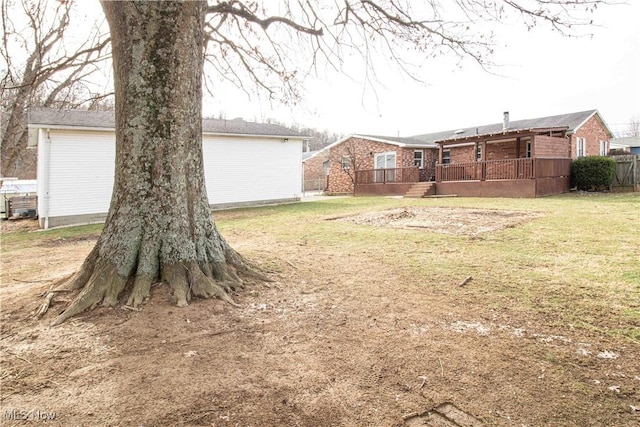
523, 177
507, 169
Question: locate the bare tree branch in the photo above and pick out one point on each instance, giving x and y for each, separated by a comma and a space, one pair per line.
241, 10
42, 69
277, 44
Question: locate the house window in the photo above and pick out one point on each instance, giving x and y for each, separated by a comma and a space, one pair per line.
346, 162
385, 164
603, 148
386, 160
325, 167
580, 147
479, 152
446, 157
418, 159
527, 151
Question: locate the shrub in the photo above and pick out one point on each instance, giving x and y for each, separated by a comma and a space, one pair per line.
593, 172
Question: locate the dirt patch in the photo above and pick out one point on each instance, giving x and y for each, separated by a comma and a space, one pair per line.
444, 415
460, 221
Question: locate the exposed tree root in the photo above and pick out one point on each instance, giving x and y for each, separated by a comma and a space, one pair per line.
104, 285
100, 282
57, 286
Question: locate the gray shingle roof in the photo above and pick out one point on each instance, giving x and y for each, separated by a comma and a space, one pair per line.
570, 122
307, 154
407, 141
106, 120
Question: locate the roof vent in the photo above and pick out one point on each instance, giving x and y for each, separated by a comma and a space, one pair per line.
505, 121
459, 131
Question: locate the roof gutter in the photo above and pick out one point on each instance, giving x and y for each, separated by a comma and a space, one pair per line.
204, 132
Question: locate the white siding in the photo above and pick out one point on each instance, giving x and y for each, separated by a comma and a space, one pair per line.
251, 169
78, 172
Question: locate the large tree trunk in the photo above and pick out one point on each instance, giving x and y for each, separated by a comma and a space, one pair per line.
159, 226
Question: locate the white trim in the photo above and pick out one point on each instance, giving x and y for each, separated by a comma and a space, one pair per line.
604, 148
581, 146
345, 163
421, 166
385, 154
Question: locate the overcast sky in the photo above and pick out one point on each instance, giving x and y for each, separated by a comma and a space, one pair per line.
542, 73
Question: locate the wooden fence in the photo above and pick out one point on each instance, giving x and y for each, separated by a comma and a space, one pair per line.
627, 174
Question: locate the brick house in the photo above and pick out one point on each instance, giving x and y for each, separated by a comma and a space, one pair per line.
564, 136
376, 159
524, 158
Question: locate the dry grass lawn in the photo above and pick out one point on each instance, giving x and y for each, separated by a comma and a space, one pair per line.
383, 312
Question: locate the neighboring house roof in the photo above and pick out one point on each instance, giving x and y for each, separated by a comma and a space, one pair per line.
625, 142
570, 122
83, 119
308, 154
393, 140
401, 141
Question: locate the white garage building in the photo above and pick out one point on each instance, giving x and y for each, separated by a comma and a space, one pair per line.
245, 164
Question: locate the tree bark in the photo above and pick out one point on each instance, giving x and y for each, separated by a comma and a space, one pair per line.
159, 226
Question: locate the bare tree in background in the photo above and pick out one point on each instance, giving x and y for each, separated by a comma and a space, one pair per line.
159, 227
44, 64
633, 128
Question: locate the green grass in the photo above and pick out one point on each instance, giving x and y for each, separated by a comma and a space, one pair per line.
577, 264
13, 240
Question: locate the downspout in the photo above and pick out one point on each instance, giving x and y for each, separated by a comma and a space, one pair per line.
46, 173
303, 189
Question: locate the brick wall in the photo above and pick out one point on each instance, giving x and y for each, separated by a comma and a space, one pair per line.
313, 171
462, 154
593, 132
429, 155
341, 181
501, 151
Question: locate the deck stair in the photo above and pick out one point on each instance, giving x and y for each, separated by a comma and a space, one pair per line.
421, 189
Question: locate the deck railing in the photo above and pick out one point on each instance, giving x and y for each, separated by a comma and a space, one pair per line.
523, 168
383, 176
